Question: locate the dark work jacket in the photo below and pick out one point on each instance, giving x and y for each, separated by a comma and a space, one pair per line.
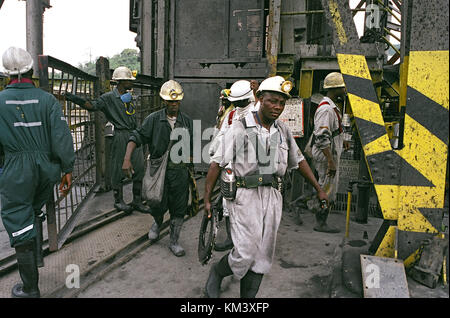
115, 110
155, 131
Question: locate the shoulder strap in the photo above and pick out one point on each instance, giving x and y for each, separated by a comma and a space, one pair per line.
230, 116
340, 130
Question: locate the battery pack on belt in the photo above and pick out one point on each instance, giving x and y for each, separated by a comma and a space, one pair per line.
257, 180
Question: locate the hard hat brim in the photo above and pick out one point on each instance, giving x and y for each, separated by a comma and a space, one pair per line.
287, 95
169, 99
333, 86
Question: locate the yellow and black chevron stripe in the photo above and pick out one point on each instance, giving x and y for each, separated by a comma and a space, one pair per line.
409, 182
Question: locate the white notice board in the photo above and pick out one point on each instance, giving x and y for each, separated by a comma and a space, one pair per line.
292, 116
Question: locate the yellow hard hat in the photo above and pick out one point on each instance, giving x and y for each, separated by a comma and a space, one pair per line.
333, 80
171, 90
275, 84
123, 73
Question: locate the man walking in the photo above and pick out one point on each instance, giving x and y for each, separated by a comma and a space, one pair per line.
328, 143
156, 131
38, 146
262, 149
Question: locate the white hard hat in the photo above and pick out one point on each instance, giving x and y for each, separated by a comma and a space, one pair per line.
240, 90
17, 61
276, 84
171, 90
123, 73
333, 80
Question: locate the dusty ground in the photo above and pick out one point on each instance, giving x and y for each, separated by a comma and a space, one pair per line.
301, 266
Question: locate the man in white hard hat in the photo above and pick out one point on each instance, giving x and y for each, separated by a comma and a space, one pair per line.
119, 109
155, 132
327, 143
261, 149
38, 148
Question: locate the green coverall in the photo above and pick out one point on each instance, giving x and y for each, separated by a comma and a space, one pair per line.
38, 146
116, 112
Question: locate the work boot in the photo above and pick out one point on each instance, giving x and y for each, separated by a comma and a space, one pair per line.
28, 271
321, 222
137, 199
217, 273
153, 234
250, 284
38, 219
175, 229
119, 204
228, 243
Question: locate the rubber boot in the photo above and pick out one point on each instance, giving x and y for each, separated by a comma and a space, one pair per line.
38, 219
137, 198
250, 284
119, 204
28, 271
153, 234
321, 222
218, 272
175, 229
228, 243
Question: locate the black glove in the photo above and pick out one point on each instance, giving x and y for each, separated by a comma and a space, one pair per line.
75, 99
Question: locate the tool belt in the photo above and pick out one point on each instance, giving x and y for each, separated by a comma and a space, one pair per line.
257, 180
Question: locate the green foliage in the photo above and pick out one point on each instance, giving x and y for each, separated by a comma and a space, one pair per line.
128, 58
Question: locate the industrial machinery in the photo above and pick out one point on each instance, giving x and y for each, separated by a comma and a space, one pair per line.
394, 58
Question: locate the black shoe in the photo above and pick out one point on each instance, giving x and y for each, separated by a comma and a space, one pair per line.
250, 284
224, 246
119, 204
18, 292
137, 198
122, 206
325, 228
140, 207
217, 273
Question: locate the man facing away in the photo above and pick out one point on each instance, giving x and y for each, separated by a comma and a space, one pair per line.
38, 146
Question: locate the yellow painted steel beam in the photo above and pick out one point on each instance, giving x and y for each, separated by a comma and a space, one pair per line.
306, 81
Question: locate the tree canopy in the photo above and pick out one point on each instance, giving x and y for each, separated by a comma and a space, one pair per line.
128, 58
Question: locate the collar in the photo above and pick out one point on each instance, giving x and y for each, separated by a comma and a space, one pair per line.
163, 115
330, 101
250, 121
116, 92
22, 80
21, 85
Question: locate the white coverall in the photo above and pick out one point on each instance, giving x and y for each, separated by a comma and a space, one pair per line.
325, 123
255, 213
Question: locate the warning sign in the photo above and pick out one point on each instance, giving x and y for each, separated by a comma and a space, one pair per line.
292, 116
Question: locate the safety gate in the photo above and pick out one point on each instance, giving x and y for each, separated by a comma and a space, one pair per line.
57, 77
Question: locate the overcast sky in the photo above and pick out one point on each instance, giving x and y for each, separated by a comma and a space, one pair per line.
74, 30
